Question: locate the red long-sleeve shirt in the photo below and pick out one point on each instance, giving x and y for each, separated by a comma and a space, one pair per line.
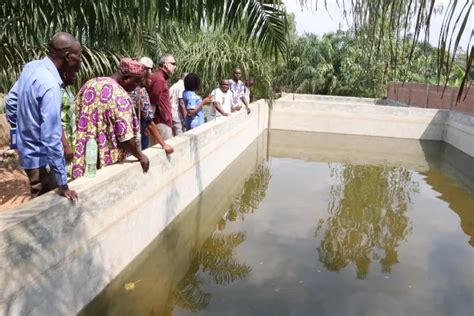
160, 97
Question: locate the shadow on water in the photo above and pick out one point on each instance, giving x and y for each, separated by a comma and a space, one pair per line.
368, 217
451, 173
192, 251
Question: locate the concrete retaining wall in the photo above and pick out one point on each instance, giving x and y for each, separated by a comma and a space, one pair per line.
316, 98
55, 257
362, 118
460, 132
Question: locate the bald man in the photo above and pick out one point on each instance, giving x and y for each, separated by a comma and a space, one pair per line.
39, 94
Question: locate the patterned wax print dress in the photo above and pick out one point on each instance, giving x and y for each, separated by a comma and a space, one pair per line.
105, 112
142, 105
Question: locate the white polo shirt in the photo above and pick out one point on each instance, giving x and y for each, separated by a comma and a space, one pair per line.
225, 100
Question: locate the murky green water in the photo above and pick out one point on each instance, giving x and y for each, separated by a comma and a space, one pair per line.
323, 225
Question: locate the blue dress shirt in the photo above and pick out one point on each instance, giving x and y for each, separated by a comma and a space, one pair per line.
11, 102
39, 118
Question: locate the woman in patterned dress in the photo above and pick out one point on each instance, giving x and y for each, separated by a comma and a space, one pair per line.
105, 112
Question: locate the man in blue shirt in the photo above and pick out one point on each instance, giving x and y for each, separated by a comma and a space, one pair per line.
38, 92
11, 101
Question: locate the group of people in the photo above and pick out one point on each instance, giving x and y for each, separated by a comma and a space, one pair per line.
120, 112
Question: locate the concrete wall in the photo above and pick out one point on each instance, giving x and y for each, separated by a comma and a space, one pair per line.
55, 257
362, 118
460, 132
315, 98
359, 119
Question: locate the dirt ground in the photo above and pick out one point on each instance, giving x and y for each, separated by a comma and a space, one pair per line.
14, 188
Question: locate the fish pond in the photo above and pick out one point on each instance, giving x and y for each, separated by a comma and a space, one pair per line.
315, 224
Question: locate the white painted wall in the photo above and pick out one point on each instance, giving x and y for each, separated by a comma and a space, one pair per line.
460, 132
359, 116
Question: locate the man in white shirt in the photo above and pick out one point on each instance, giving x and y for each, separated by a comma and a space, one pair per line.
178, 109
221, 101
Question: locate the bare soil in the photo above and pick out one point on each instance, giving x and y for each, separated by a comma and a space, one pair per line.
14, 187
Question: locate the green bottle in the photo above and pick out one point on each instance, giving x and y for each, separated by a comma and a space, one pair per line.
91, 158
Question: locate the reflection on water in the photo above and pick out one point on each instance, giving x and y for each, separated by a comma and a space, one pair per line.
216, 258
367, 217
322, 227
460, 200
252, 194
452, 175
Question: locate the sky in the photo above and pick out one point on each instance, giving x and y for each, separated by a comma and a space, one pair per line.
324, 20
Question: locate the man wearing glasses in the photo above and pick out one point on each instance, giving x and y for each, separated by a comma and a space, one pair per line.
237, 87
160, 95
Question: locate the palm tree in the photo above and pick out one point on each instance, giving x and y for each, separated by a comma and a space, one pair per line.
214, 53
112, 28
394, 22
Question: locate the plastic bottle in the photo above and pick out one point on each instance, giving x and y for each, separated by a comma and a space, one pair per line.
91, 158
13, 138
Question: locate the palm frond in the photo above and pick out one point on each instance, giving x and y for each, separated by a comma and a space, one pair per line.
120, 27
404, 20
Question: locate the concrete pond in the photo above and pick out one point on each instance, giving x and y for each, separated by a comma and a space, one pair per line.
326, 206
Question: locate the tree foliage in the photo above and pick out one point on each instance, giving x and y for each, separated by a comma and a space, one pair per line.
394, 23
109, 29
338, 64
213, 54
212, 36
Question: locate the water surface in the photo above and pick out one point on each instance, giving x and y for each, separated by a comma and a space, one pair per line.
315, 224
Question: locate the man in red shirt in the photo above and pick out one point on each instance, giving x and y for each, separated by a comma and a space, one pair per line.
160, 95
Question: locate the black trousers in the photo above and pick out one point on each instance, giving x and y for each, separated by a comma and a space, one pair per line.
42, 180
